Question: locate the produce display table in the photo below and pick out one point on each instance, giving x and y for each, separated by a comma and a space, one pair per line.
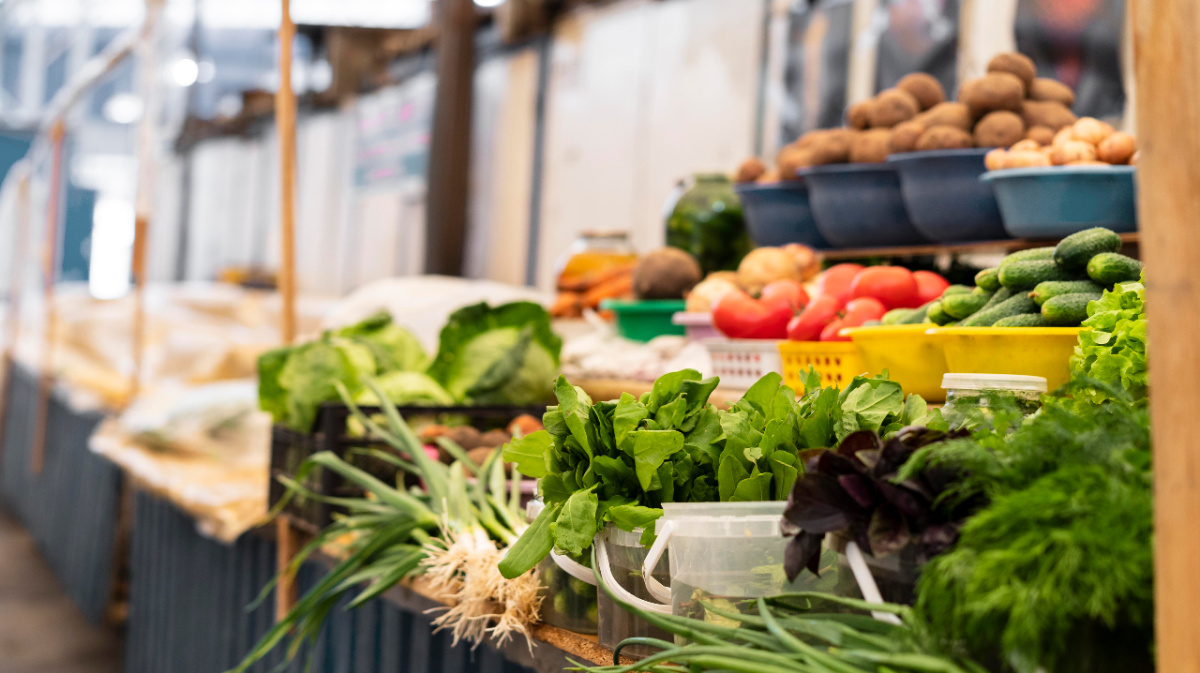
73, 507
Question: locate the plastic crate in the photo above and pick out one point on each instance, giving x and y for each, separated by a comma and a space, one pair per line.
742, 362
838, 362
290, 448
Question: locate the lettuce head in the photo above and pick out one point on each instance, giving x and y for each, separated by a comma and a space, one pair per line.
498, 355
295, 381
394, 348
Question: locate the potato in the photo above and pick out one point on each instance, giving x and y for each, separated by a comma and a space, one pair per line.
924, 87
995, 159
1014, 64
769, 178
791, 159
993, 91
1064, 134
1133, 160
999, 129
1044, 89
870, 146
858, 116
1047, 113
1072, 151
1025, 159
832, 146
1046, 152
1118, 148
750, 170
892, 107
905, 135
944, 138
666, 273
765, 265
947, 114
1026, 144
1042, 135
1091, 130
1088, 163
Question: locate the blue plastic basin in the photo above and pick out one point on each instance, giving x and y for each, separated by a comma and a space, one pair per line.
859, 206
946, 201
1056, 201
778, 214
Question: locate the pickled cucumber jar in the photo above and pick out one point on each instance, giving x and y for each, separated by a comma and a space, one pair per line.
974, 400
704, 217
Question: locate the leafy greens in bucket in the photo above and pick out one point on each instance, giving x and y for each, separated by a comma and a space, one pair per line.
618, 461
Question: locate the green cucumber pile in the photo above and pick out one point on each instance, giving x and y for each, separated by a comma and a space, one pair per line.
1041, 287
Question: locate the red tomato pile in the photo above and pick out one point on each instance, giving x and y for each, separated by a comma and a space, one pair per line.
848, 295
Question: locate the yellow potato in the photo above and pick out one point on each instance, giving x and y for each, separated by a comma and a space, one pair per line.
1072, 151
1042, 135
1025, 159
995, 159
1118, 148
1091, 130
1027, 144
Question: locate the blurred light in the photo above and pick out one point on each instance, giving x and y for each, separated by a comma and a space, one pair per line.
489, 3
185, 72
320, 76
123, 108
112, 248
229, 105
206, 71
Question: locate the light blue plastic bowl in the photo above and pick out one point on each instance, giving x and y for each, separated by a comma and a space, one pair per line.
1057, 201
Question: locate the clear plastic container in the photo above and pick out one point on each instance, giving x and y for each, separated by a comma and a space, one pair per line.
625, 555
567, 602
973, 399
895, 575
724, 554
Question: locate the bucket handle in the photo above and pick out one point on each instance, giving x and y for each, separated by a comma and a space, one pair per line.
656, 588
600, 560
866, 582
573, 568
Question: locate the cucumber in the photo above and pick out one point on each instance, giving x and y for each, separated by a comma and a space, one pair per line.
1053, 288
959, 306
1003, 294
1076, 250
1026, 275
1014, 305
1030, 255
1023, 320
897, 316
956, 289
988, 279
1109, 268
918, 316
1068, 310
938, 316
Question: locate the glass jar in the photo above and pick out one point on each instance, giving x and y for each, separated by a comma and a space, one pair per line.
974, 400
567, 602
705, 219
593, 257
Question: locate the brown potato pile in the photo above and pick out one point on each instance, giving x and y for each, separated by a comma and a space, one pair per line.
1009, 104
1087, 142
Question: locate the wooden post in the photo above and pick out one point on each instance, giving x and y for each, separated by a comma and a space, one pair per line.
16, 288
1168, 89
450, 147
144, 202
287, 543
37, 456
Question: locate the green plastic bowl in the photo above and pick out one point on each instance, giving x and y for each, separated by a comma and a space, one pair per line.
644, 319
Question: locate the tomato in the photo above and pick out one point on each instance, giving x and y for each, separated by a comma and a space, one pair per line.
930, 286
808, 325
859, 311
787, 292
892, 285
739, 316
835, 281
830, 333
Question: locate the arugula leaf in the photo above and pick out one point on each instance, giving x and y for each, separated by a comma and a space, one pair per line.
730, 474
754, 488
533, 545
530, 453
868, 405
761, 395
667, 386
626, 418
573, 405
553, 489
785, 473
630, 517
575, 525
650, 449
823, 413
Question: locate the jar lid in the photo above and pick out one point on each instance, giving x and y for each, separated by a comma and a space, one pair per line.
993, 382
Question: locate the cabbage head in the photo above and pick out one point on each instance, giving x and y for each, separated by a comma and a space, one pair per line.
498, 355
407, 389
394, 348
295, 381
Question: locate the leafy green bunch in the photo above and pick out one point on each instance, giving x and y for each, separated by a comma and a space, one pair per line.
1114, 349
1056, 572
619, 461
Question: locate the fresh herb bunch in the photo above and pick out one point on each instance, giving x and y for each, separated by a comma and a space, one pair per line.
856, 490
1114, 349
617, 462
1056, 572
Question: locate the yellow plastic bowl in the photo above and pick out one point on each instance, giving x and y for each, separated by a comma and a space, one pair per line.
1028, 351
912, 357
837, 362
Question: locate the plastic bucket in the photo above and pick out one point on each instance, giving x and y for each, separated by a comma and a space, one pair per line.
724, 553
778, 214
860, 206
644, 319
912, 357
1057, 201
945, 199
568, 601
1026, 351
620, 557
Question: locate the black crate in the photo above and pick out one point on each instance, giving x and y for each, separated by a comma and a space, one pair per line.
290, 448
